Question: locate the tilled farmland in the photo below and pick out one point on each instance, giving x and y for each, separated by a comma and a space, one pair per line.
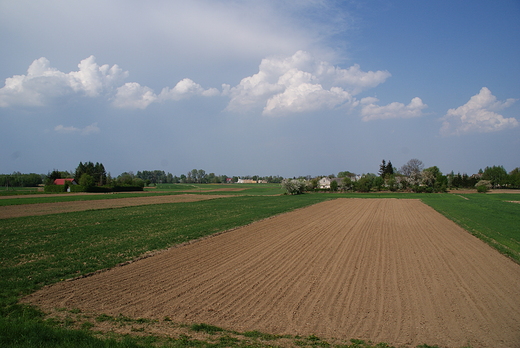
384, 270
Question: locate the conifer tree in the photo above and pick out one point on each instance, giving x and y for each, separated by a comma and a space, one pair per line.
382, 169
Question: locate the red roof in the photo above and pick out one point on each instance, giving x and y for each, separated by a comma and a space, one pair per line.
62, 181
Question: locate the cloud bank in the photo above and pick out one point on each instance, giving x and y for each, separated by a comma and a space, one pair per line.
283, 85
298, 83
43, 83
478, 115
301, 83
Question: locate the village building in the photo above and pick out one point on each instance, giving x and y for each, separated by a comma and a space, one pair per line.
325, 182
66, 180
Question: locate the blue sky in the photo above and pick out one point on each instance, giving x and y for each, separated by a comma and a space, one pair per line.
267, 87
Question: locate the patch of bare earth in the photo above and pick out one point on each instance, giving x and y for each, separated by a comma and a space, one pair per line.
225, 189
384, 270
11, 211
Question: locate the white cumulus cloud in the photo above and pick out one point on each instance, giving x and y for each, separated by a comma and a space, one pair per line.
42, 82
134, 96
478, 115
300, 83
371, 111
306, 97
186, 88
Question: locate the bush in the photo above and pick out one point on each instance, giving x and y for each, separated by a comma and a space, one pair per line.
363, 185
86, 180
485, 184
293, 186
124, 188
54, 189
482, 189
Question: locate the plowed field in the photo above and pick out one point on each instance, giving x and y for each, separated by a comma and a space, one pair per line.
11, 211
376, 269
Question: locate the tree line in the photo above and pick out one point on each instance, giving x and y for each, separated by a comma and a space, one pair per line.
197, 176
18, 179
412, 176
91, 174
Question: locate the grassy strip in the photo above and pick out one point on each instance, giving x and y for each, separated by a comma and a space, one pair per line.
8, 191
489, 217
43, 334
18, 200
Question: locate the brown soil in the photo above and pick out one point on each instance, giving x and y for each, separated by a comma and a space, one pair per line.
385, 270
53, 195
11, 211
225, 189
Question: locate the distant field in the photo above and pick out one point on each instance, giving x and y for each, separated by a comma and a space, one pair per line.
243, 189
4, 190
72, 197
162, 189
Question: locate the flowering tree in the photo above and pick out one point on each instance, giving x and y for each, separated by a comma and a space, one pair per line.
293, 186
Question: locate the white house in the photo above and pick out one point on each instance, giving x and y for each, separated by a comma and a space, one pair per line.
324, 183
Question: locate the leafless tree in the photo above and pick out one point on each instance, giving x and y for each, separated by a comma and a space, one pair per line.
412, 168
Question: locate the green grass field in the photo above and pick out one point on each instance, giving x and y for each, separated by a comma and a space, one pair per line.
490, 217
4, 190
41, 250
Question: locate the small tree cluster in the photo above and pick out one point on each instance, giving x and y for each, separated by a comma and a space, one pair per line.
497, 176
386, 170
18, 179
95, 174
128, 179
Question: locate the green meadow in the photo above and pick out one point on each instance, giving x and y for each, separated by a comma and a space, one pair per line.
42, 250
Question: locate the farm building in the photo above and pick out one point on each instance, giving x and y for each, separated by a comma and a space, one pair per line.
246, 181
62, 181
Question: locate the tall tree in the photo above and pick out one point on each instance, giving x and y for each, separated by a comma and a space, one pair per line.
333, 185
390, 168
201, 175
55, 174
382, 169
386, 170
99, 174
194, 175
